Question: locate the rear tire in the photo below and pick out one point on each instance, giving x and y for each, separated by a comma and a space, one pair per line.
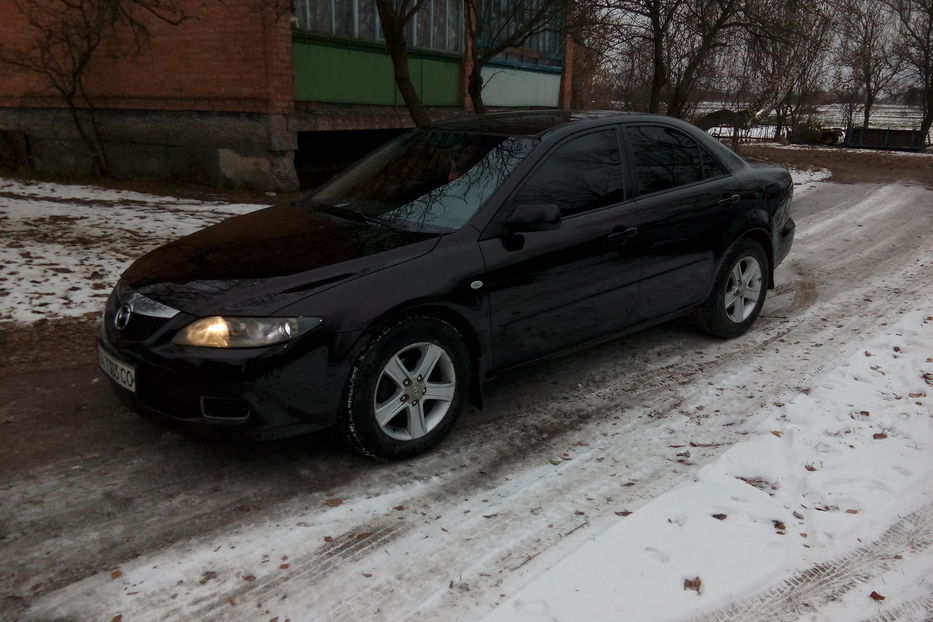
738, 293
407, 389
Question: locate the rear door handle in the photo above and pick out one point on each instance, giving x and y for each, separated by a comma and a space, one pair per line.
621, 237
730, 200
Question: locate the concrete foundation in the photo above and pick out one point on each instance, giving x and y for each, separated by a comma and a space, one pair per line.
216, 148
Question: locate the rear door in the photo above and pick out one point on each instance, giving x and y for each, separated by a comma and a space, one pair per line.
685, 204
552, 289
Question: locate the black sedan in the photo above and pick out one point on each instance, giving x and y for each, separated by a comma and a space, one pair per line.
383, 302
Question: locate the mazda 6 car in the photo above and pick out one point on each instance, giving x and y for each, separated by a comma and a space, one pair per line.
382, 302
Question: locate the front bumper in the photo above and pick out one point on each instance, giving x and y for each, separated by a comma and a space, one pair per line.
249, 394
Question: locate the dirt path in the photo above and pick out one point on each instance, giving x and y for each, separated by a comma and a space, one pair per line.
103, 513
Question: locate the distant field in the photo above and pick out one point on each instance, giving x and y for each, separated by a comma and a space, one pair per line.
885, 116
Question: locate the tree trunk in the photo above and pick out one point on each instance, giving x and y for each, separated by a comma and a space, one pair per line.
869, 102
102, 161
927, 122
475, 87
397, 47
99, 164
416, 109
659, 75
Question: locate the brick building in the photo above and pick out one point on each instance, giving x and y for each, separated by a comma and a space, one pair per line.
236, 95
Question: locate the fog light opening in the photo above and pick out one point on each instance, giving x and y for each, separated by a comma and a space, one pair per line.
224, 408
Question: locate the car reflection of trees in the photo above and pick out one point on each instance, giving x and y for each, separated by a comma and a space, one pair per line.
664, 159
559, 180
473, 173
434, 181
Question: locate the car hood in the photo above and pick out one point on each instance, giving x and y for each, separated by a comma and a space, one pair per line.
259, 262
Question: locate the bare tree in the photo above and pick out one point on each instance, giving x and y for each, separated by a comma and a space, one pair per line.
66, 36
915, 47
867, 49
395, 15
597, 62
494, 26
785, 58
708, 26
681, 39
645, 28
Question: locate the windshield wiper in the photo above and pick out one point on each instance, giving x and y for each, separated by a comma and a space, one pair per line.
357, 216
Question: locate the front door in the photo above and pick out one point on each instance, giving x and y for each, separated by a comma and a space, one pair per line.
553, 289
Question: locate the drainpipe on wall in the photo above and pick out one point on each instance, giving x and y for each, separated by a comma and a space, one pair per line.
466, 67
565, 99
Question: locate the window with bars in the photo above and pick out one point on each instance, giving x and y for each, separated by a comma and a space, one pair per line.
500, 18
438, 25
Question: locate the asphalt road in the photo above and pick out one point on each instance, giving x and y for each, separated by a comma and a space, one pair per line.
89, 490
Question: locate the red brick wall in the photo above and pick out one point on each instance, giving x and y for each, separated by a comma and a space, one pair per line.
229, 56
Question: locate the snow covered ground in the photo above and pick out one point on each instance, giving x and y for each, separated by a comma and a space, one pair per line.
829, 496
901, 154
64, 246
784, 475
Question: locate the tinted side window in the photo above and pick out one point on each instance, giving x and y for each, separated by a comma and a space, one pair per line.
664, 158
711, 168
582, 174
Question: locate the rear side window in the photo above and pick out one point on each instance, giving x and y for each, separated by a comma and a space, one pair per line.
583, 174
667, 158
711, 168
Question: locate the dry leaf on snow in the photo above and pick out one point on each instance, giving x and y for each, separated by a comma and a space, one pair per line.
692, 584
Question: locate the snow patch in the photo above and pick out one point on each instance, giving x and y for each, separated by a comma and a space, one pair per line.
65, 246
824, 474
806, 181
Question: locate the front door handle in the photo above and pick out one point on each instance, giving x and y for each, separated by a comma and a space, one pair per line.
729, 201
623, 236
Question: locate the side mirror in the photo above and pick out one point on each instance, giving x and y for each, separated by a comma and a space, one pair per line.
533, 217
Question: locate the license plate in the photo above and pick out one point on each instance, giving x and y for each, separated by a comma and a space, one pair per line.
121, 373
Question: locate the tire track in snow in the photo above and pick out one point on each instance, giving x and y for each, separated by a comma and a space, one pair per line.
326, 561
920, 610
806, 591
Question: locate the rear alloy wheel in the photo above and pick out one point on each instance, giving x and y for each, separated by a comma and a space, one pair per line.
407, 389
738, 294
743, 289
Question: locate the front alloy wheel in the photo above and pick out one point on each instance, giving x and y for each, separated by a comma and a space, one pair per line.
406, 389
415, 391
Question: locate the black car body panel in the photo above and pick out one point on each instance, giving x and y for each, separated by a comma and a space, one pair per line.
252, 262
635, 259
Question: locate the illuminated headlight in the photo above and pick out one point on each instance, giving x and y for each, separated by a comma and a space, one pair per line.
244, 332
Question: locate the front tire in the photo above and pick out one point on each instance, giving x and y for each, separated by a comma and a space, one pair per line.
738, 293
407, 389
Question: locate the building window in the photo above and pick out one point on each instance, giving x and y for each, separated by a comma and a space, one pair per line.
438, 25
502, 17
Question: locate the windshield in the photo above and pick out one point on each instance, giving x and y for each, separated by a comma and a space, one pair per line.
431, 181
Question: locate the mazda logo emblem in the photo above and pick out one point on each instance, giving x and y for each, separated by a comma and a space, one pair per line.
122, 317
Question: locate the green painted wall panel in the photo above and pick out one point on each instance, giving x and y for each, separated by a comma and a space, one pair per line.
440, 82
334, 74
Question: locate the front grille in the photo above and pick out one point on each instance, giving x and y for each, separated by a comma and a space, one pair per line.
146, 317
141, 327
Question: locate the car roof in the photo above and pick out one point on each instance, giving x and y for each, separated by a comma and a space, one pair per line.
525, 122
554, 125
539, 122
